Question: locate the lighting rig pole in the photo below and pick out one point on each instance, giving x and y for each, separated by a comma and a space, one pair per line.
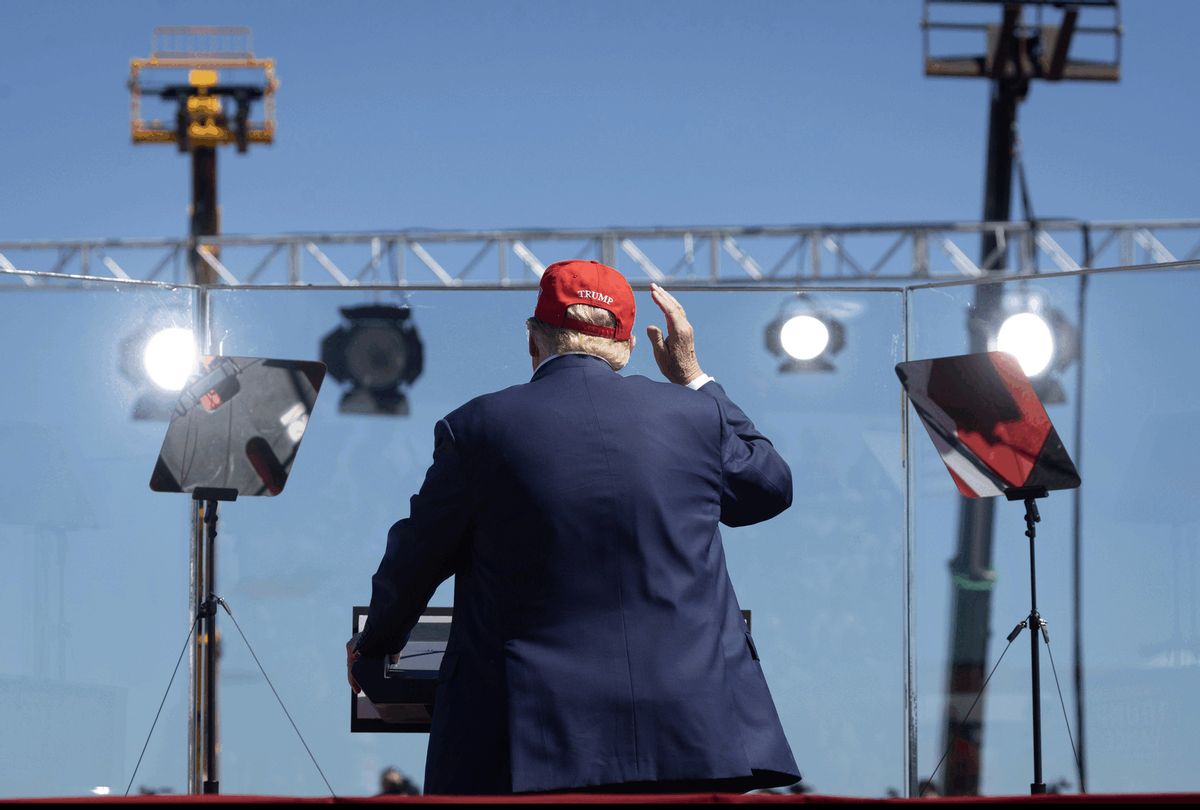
207, 113
1016, 54
204, 220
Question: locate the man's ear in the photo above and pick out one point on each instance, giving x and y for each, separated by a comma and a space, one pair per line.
533, 351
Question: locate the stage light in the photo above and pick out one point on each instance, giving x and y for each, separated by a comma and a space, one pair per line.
158, 357
1027, 336
170, 358
1040, 337
378, 353
804, 336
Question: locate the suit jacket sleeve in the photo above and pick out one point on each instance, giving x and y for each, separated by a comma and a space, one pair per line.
757, 482
421, 550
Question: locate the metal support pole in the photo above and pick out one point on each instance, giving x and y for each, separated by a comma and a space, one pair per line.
210, 641
294, 263
204, 217
1035, 629
608, 250
195, 747
202, 727
1077, 522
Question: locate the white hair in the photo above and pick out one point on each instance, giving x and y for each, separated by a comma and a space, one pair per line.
551, 340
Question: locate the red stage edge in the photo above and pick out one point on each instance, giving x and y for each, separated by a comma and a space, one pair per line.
690, 798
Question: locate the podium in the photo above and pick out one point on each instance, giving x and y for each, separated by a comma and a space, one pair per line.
398, 690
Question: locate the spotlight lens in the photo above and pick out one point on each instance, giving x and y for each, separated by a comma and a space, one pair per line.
1028, 337
376, 357
804, 337
170, 358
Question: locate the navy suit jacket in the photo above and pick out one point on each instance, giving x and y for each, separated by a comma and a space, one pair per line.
597, 640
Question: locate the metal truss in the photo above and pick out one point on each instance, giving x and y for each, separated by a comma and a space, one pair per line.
691, 256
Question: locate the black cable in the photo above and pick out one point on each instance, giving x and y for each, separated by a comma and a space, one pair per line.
161, 703
1063, 703
225, 605
1026, 204
967, 717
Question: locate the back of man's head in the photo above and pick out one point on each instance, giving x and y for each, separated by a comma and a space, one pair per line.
587, 307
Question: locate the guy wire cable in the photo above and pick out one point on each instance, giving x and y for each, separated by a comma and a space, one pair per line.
225, 605
174, 672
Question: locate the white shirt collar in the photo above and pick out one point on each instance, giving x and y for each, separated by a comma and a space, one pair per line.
564, 354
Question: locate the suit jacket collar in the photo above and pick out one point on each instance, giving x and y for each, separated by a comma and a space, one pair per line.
566, 362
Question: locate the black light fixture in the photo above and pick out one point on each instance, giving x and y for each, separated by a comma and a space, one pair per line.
805, 336
378, 353
158, 357
1044, 342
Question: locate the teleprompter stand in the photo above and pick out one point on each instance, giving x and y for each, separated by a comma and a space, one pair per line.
1035, 623
993, 434
206, 499
235, 431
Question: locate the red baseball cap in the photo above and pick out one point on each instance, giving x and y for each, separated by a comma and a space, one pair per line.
585, 282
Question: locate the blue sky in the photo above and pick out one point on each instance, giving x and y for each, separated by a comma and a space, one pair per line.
474, 115
507, 114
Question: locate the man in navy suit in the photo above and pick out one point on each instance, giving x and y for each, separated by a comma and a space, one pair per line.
597, 643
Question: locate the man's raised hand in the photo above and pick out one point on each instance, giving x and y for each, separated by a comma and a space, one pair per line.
676, 353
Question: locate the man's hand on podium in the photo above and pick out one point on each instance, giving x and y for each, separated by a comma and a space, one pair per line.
352, 655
